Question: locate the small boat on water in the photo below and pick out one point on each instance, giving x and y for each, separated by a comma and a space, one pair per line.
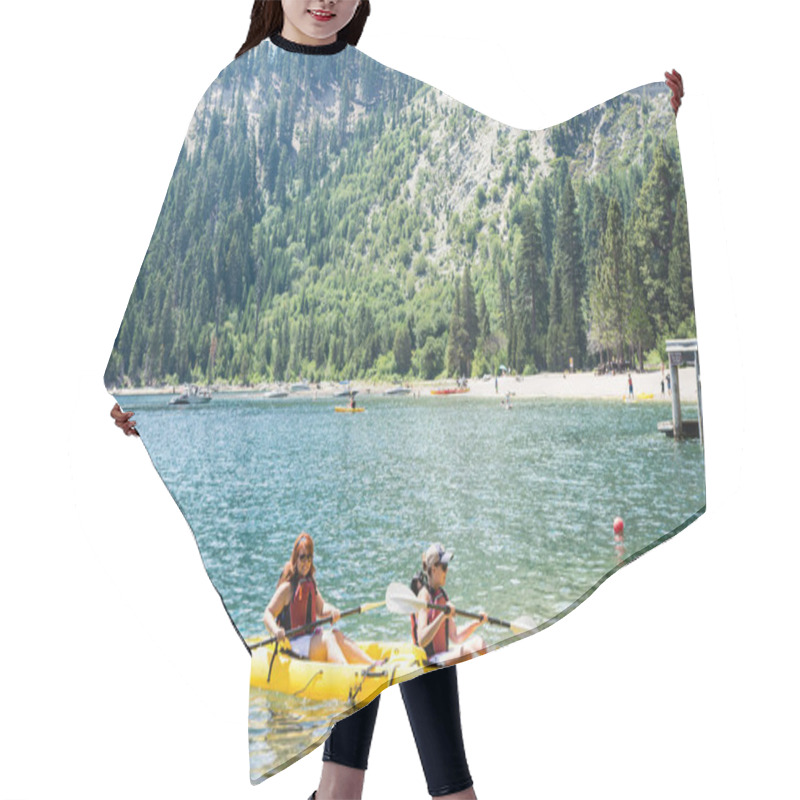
275, 394
345, 392
456, 390
193, 395
397, 390
629, 398
317, 680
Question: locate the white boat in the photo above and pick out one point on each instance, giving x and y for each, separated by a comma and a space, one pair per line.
300, 387
191, 396
396, 390
276, 393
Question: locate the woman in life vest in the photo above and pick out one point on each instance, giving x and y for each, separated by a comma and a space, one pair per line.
434, 630
297, 601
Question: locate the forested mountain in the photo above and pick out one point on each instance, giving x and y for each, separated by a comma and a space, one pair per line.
329, 217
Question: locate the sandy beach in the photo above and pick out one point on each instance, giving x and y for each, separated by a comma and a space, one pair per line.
582, 385
586, 385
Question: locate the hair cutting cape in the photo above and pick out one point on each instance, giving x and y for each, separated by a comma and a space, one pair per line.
334, 228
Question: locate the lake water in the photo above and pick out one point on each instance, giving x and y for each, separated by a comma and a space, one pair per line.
525, 498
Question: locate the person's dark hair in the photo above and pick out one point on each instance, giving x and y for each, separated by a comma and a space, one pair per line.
420, 580
266, 18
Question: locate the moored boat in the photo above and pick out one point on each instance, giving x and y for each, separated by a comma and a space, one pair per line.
275, 394
317, 680
347, 409
193, 395
397, 390
458, 390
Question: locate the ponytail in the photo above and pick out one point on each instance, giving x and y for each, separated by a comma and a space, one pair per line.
419, 582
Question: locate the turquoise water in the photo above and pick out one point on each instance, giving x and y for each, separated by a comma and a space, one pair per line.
525, 498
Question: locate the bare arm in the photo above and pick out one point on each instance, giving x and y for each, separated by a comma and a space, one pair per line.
427, 630
325, 609
460, 635
276, 605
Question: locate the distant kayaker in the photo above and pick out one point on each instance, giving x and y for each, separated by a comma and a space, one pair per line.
436, 631
297, 602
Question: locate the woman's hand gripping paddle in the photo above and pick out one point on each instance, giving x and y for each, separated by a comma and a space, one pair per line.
401, 600
322, 621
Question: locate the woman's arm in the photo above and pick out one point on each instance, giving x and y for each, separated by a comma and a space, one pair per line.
326, 610
427, 630
276, 605
460, 635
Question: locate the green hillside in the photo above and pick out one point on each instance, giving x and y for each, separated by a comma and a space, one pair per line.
331, 218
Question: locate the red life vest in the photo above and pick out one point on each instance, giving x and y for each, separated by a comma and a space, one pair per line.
441, 640
302, 608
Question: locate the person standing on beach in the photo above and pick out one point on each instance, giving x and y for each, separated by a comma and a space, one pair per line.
630, 387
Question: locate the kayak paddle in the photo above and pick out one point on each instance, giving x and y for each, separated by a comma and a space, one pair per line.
322, 621
401, 600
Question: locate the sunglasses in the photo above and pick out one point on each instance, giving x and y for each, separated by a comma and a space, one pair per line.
305, 557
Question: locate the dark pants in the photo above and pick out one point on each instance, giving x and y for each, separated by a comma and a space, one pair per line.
432, 706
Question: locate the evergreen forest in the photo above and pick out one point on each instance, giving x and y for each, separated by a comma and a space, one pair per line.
331, 218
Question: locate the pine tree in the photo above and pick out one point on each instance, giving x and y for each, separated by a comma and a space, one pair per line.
609, 296
595, 226
547, 219
568, 262
531, 292
402, 349
507, 314
555, 331
469, 318
457, 338
484, 326
641, 327
656, 203
680, 297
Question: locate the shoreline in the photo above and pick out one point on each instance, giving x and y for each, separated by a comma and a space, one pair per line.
579, 385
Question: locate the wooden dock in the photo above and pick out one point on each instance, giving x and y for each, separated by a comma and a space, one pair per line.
690, 429
680, 352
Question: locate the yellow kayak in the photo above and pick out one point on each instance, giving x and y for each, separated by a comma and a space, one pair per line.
317, 680
347, 410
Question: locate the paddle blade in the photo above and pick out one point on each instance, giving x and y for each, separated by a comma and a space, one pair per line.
401, 600
522, 625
